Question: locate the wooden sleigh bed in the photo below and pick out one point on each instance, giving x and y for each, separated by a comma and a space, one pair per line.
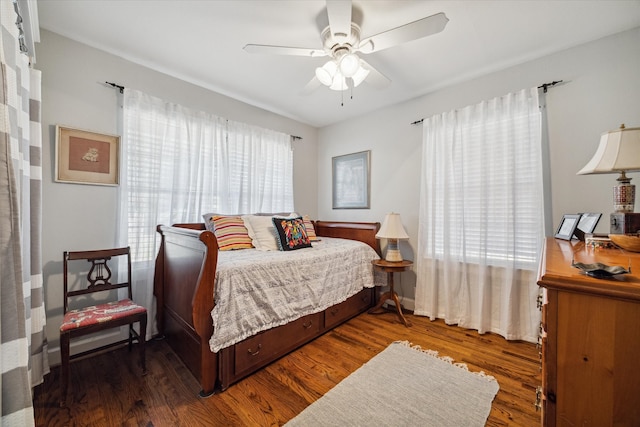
184, 289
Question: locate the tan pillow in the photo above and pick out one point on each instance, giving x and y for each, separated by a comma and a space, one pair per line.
261, 231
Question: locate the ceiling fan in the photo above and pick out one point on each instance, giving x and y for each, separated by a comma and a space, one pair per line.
342, 43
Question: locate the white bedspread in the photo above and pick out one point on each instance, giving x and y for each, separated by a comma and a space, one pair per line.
257, 290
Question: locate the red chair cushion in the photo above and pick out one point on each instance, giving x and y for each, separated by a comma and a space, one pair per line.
94, 314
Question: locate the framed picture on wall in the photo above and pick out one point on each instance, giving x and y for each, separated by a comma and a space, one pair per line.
567, 226
85, 157
350, 179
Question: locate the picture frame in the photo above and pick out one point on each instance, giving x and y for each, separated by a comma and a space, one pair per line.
587, 223
351, 177
86, 157
567, 226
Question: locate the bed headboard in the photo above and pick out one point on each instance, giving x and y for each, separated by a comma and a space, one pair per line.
362, 231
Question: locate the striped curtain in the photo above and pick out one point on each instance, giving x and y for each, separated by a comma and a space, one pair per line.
23, 344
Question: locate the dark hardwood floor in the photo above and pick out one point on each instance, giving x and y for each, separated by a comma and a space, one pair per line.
108, 389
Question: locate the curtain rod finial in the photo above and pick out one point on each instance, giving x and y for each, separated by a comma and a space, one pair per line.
113, 85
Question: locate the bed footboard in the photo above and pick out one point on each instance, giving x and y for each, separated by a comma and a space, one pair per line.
184, 287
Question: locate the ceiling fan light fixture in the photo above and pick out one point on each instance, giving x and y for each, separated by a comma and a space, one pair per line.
349, 64
360, 75
339, 82
327, 72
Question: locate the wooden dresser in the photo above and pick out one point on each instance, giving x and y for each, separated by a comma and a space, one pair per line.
590, 336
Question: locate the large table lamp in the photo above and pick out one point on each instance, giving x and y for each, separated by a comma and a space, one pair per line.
392, 230
618, 152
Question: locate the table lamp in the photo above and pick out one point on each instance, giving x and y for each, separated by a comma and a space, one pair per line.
618, 152
392, 230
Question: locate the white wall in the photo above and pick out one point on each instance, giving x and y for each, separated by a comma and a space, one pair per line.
78, 217
601, 90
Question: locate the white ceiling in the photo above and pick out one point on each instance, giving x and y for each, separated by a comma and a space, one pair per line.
201, 42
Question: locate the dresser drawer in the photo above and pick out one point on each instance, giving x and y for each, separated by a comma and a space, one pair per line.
265, 347
349, 308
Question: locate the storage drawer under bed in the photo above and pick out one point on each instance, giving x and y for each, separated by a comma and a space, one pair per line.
265, 347
349, 308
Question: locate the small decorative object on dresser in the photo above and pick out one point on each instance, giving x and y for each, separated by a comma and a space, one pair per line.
587, 224
624, 223
567, 226
629, 242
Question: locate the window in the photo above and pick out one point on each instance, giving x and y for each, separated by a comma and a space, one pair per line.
484, 184
179, 164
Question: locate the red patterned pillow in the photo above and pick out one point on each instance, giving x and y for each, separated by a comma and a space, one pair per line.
291, 233
231, 233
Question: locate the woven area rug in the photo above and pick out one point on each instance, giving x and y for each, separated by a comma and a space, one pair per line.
405, 386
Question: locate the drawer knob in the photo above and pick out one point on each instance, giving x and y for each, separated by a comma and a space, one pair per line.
308, 324
255, 353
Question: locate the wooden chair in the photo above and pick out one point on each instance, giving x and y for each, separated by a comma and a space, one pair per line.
93, 318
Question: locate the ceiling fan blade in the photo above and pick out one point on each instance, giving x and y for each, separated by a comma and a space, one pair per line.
339, 13
415, 30
375, 77
313, 84
284, 50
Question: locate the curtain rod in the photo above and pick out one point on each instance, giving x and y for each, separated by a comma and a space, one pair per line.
121, 88
544, 87
113, 85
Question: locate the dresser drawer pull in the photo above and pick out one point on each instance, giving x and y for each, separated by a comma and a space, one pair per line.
255, 353
308, 324
335, 311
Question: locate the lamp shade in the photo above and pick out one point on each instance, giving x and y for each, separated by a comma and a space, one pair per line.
619, 150
392, 228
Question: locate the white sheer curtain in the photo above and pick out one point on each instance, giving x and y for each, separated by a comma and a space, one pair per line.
481, 216
178, 164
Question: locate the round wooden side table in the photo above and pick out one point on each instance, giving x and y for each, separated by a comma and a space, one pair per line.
390, 268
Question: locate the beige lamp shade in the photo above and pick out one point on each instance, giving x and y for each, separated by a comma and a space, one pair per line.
392, 230
618, 152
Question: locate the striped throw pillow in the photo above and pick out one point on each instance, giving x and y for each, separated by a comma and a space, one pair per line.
231, 233
311, 232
